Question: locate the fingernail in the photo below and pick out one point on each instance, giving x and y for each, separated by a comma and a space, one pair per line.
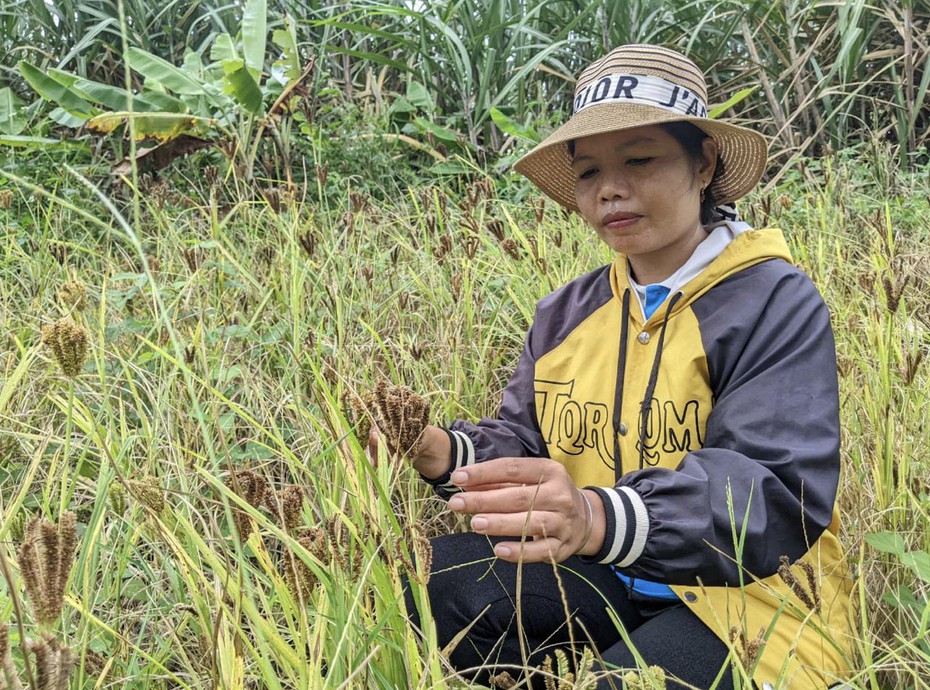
501, 551
456, 503
459, 477
479, 524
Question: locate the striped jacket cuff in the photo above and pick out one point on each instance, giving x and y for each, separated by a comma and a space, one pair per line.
627, 526
462, 455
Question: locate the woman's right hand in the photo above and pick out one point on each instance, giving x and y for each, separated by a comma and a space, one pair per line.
433, 456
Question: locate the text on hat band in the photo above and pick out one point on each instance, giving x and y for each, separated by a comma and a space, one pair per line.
644, 89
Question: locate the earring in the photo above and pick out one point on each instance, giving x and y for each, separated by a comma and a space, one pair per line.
703, 195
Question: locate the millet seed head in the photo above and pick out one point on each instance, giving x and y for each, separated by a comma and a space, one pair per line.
286, 504
6, 198
298, 575
250, 486
54, 662
356, 414
68, 342
400, 414
147, 490
809, 597
45, 559
73, 294
503, 681
116, 497
9, 678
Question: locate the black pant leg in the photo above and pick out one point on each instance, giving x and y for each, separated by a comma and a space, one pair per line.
679, 642
471, 588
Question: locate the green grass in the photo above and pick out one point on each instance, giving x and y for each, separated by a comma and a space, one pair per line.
218, 343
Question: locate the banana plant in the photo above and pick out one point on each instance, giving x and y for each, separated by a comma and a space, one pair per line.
231, 99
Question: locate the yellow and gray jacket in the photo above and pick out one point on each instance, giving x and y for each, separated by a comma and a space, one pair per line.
711, 433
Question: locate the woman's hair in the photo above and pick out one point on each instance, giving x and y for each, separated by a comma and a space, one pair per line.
691, 138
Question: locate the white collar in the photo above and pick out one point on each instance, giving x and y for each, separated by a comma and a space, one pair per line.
719, 235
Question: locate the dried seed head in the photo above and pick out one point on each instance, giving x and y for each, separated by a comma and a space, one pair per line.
348, 222
534, 246
423, 550
652, 678
809, 596
73, 294
747, 650
147, 491
549, 673
300, 578
400, 415
94, 663
512, 248
272, 197
4, 648
54, 662
322, 173
401, 557
539, 209
503, 680
844, 365
357, 415
309, 240
286, 504
441, 250
318, 542
894, 291
754, 647
59, 251
496, 228
68, 342
9, 678
912, 362
251, 487
45, 559
6, 198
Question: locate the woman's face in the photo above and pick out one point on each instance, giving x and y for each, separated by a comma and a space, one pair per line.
641, 192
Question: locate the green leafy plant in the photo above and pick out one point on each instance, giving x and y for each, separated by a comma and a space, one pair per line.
228, 103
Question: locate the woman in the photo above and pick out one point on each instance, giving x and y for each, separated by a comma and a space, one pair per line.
670, 436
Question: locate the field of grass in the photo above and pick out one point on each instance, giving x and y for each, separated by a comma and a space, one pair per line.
222, 331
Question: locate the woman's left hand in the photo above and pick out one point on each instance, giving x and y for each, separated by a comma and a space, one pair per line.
528, 497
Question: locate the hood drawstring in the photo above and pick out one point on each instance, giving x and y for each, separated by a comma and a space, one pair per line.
645, 407
618, 395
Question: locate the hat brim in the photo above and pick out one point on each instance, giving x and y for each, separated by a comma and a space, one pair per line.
744, 152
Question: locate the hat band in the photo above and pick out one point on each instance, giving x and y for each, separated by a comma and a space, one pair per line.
644, 89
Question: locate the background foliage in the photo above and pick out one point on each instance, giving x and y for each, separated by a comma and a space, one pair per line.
824, 75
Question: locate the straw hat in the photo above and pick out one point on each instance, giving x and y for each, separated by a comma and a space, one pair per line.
634, 86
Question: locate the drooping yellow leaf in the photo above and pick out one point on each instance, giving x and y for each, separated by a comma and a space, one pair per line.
160, 126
